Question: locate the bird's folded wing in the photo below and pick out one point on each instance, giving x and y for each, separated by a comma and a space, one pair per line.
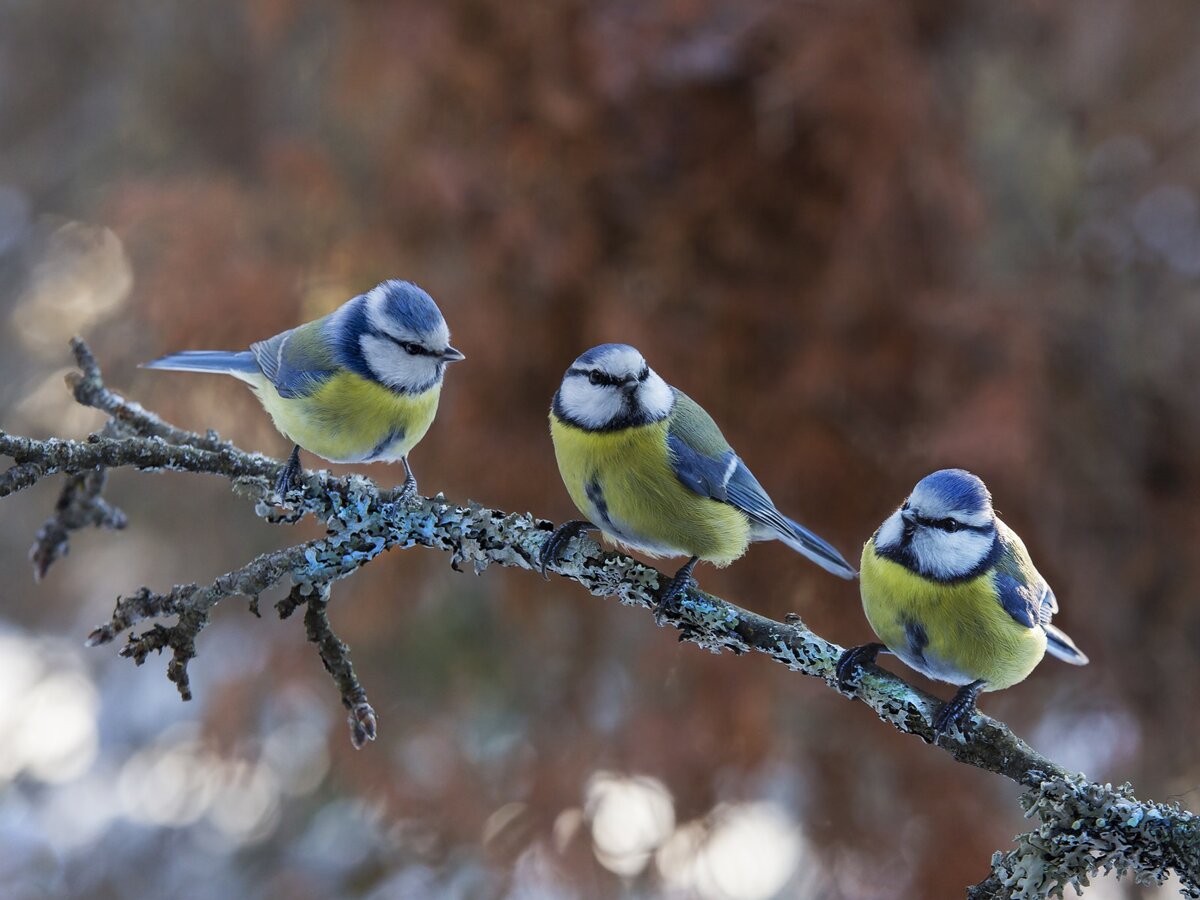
705, 463
1022, 591
724, 478
296, 362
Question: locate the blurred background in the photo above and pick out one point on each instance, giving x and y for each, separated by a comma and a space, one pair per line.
873, 238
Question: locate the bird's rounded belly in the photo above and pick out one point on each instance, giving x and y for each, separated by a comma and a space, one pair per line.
349, 419
957, 633
623, 483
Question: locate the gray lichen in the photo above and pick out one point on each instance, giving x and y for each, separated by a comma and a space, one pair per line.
1086, 828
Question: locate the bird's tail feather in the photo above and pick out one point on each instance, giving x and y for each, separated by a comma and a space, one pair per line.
225, 361
818, 550
1058, 644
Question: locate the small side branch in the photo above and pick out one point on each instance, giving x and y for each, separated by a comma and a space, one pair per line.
80, 505
335, 656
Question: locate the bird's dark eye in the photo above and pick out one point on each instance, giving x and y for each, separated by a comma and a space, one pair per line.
595, 377
411, 349
644, 374
904, 505
950, 525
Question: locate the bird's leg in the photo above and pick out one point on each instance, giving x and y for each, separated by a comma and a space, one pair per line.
679, 583
289, 473
558, 540
409, 489
855, 658
962, 705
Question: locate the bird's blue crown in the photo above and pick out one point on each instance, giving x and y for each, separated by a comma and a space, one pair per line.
605, 351
408, 306
955, 490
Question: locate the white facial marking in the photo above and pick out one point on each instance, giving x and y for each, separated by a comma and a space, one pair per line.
936, 552
591, 405
597, 406
943, 555
398, 368
890, 532
655, 396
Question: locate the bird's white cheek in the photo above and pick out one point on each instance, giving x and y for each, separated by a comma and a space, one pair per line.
655, 396
593, 406
890, 532
395, 367
946, 555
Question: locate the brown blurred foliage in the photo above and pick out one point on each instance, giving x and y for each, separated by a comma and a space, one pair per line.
873, 238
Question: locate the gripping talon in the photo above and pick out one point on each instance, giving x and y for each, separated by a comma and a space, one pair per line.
289, 474
961, 706
409, 489
554, 545
680, 583
855, 658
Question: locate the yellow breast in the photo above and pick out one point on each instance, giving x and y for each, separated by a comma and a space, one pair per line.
623, 483
966, 632
351, 419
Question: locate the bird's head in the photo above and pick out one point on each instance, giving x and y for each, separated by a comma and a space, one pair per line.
611, 387
397, 334
945, 529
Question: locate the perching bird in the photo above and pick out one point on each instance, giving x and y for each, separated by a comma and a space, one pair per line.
649, 467
358, 385
950, 589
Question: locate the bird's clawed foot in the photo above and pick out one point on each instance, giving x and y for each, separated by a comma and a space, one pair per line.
668, 595
408, 490
855, 658
957, 709
289, 474
562, 535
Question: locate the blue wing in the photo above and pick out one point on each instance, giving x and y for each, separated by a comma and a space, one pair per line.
1018, 599
702, 474
1026, 596
725, 478
296, 362
1020, 588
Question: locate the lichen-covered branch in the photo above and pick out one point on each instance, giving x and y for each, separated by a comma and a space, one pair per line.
1083, 827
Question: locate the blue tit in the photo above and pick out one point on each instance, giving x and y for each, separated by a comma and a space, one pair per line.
650, 468
951, 590
358, 385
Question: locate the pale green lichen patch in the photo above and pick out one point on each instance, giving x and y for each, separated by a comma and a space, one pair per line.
1087, 828
705, 612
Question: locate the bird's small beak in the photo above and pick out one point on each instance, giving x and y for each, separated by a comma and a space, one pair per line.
452, 355
909, 517
629, 384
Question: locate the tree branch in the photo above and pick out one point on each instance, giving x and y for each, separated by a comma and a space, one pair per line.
1084, 827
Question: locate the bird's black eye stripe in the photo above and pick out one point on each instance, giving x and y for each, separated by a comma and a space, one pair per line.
595, 376
644, 374
951, 525
410, 347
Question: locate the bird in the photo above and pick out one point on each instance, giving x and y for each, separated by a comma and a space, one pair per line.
951, 590
360, 384
649, 468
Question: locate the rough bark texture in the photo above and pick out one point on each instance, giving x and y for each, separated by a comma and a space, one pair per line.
1083, 827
